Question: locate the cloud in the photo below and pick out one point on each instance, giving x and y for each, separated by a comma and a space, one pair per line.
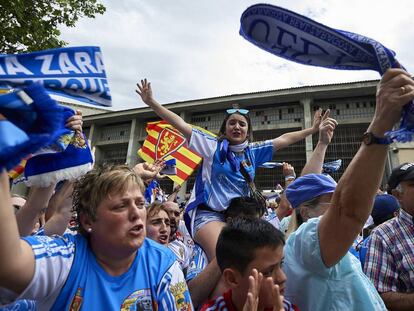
192, 49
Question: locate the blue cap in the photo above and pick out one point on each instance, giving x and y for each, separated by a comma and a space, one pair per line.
384, 207
309, 186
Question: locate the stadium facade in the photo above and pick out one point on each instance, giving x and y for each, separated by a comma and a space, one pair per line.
116, 136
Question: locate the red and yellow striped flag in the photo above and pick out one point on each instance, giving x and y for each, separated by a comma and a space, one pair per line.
165, 142
16, 173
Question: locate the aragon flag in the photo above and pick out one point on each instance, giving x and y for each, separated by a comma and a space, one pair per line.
165, 142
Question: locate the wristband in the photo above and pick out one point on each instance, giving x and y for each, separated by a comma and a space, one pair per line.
289, 177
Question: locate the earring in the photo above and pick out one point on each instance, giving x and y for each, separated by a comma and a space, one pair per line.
89, 230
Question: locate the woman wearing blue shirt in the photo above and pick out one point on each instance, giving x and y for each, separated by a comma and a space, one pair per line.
219, 179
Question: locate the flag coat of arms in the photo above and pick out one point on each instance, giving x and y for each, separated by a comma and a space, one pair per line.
165, 142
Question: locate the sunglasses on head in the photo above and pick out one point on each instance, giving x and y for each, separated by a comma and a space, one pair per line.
234, 110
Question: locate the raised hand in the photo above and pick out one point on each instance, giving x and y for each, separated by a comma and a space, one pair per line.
252, 299
61, 200
284, 208
326, 128
395, 89
288, 170
148, 171
145, 91
317, 119
277, 297
75, 122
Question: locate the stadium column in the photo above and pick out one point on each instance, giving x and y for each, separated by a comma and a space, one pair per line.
133, 144
92, 140
307, 117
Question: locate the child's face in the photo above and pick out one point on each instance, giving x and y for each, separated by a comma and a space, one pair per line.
268, 261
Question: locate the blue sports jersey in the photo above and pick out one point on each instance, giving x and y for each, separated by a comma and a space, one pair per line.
68, 277
216, 183
198, 263
20, 305
153, 192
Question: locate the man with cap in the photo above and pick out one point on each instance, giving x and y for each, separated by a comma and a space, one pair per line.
385, 208
321, 274
389, 260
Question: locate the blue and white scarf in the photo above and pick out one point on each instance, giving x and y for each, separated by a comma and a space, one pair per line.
228, 151
331, 167
297, 38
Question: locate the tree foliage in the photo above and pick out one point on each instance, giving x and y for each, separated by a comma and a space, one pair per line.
32, 25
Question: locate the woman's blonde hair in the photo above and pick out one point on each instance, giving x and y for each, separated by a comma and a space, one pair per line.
95, 186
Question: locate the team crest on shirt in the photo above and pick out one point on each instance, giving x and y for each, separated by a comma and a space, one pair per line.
168, 142
76, 300
178, 290
140, 300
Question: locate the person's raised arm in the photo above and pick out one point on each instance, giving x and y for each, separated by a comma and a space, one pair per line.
61, 203
148, 171
173, 196
36, 202
16, 256
353, 198
203, 284
144, 90
326, 131
288, 172
290, 138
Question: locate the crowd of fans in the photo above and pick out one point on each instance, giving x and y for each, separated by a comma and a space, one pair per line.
114, 240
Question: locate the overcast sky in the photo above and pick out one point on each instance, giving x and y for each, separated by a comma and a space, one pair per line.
191, 49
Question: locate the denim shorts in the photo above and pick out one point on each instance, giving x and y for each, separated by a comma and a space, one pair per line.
203, 217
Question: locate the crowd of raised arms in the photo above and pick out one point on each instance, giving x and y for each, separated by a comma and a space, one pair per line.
113, 240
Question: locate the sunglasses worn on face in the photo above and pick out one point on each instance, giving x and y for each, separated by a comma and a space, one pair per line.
234, 110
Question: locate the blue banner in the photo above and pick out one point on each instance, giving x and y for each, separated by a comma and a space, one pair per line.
297, 38
73, 74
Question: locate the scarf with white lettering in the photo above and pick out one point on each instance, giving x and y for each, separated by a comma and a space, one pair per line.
297, 38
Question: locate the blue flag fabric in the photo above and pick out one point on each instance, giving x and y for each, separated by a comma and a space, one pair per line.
271, 165
297, 38
73, 74
331, 167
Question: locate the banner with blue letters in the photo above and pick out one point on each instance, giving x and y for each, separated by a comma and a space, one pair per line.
72, 74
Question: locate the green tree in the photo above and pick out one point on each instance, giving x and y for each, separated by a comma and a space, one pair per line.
32, 25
